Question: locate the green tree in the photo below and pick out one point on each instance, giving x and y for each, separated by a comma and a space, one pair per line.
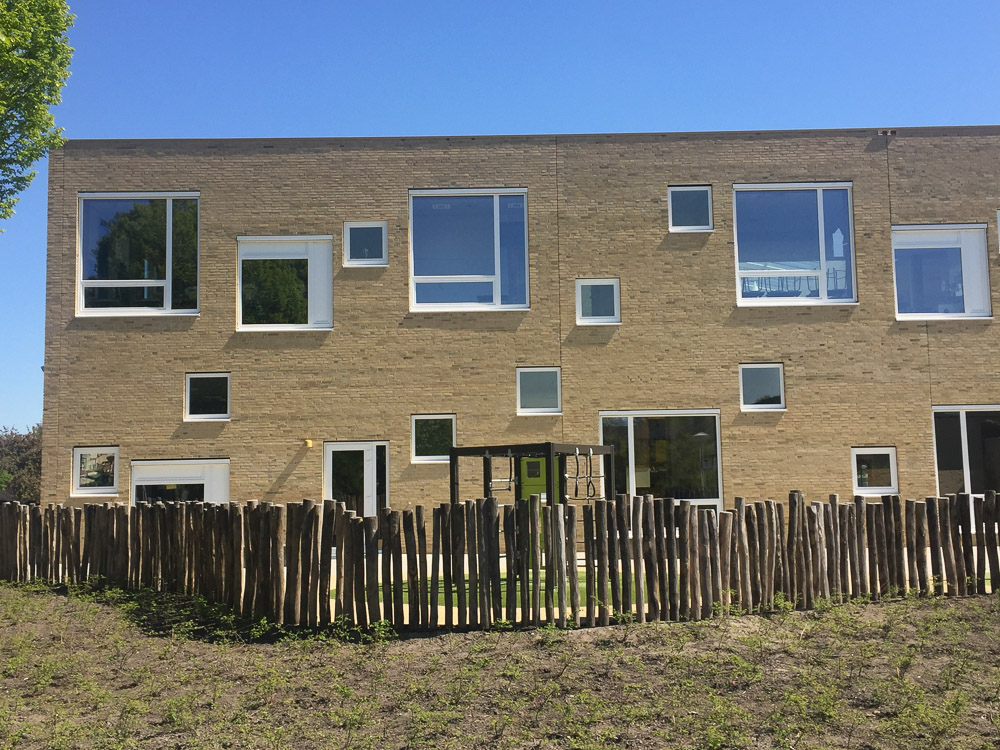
34, 65
21, 463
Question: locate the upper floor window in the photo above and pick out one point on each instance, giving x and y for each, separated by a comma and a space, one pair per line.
941, 272
468, 249
794, 244
366, 243
286, 283
138, 253
690, 208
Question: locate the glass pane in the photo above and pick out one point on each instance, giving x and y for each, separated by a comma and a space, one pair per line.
873, 470
837, 227
929, 280
469, 292
539, 389
124, 296
381, 465
780, 286
676, 457
948, 449
276, 291
432, 437
761, 386
453, 235
366, 243
984, 450
777, 230
348, 477
97, 470
513, 237
184, 281
208, 395
615, 432
124, 239
597, 300
170, 493
689, 208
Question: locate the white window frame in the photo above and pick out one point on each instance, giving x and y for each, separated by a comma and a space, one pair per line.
781, 381
550, 411
366, 262
494, 278
598, 320
671, 189
631, 414
207, 471
975, 264
370, 448
414, 458
962, 410
77, 490
318, 250
166, 283
819, 187
188, 416
893, 489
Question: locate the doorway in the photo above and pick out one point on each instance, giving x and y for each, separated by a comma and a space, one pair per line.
356, 473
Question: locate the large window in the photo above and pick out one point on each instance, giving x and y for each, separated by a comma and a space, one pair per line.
95, 471
138, 253
468, 249
666, 453
794, 244
189, 480
941, 272
286, 283
967, 448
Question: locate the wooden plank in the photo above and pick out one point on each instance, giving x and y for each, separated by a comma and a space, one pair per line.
412, 570
446, 564
934, 541
649, 556
395, 521
535, 523
421, 523
558, 567
831, 553
572, 565
796, 592
471, 511
670, 540
812, 545
371, 536
637, 563
316, 514
625, 550
920, 547
590, 577
358, 564
694, 562
326, 573
947, 545
614, 553
511, 563
482, 552
522, 540
660, 540
968, 551
601, 519
990, 511
684, 559
435, 565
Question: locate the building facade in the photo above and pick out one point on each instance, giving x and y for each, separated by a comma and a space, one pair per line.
738, 313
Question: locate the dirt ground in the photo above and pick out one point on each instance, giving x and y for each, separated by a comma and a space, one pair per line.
114, 670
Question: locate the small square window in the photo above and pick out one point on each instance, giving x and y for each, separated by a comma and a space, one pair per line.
762, 387
286, 283
95, 471
874, 471
539, 390
366, 243
206, 396
690, 208
598, 302
432, 437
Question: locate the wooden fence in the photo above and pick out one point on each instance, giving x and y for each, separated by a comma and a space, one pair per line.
472, 564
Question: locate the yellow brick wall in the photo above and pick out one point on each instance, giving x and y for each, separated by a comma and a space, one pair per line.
597, 207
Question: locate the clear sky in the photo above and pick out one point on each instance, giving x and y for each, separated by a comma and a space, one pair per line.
211, 68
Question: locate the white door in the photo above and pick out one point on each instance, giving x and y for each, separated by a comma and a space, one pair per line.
355, 473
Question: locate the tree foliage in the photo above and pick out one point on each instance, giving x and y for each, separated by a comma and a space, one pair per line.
21, 463
34, 65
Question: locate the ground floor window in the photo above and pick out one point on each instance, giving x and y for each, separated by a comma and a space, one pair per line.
357, 474
875, 471
671, 453
196, 480
967, 448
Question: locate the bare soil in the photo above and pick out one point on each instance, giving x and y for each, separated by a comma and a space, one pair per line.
83, 669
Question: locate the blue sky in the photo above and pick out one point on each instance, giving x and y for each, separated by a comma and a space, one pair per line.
211, 68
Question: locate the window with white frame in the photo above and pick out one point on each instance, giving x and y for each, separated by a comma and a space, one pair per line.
539, 390
690, 208
941, 272
794, 244
967, 448
138, 253
366, 243
185, 480
598, 302
468, 249
666, 453
874, 471
762, 387
206, 396
432, 436
286, 283
95, 471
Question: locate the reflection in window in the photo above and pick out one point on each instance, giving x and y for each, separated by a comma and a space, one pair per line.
538, 390
275, 291
941, 272
95, 471
433, 437
762, 387
967, 438
170, 493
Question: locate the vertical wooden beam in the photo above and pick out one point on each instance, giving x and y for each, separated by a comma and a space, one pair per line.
589, 539
601, 518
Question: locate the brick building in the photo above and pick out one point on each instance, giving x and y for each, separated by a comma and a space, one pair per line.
738, 313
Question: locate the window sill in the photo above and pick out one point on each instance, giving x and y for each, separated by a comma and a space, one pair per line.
875, 491
467, 308
207, 419
134, 313
280, 329
749, 410
788, 303
441, 460
79, 493
942, 316
539, 413
360, 264
598, 322
691, 230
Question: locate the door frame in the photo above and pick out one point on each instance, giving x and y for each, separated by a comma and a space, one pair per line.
369, 448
